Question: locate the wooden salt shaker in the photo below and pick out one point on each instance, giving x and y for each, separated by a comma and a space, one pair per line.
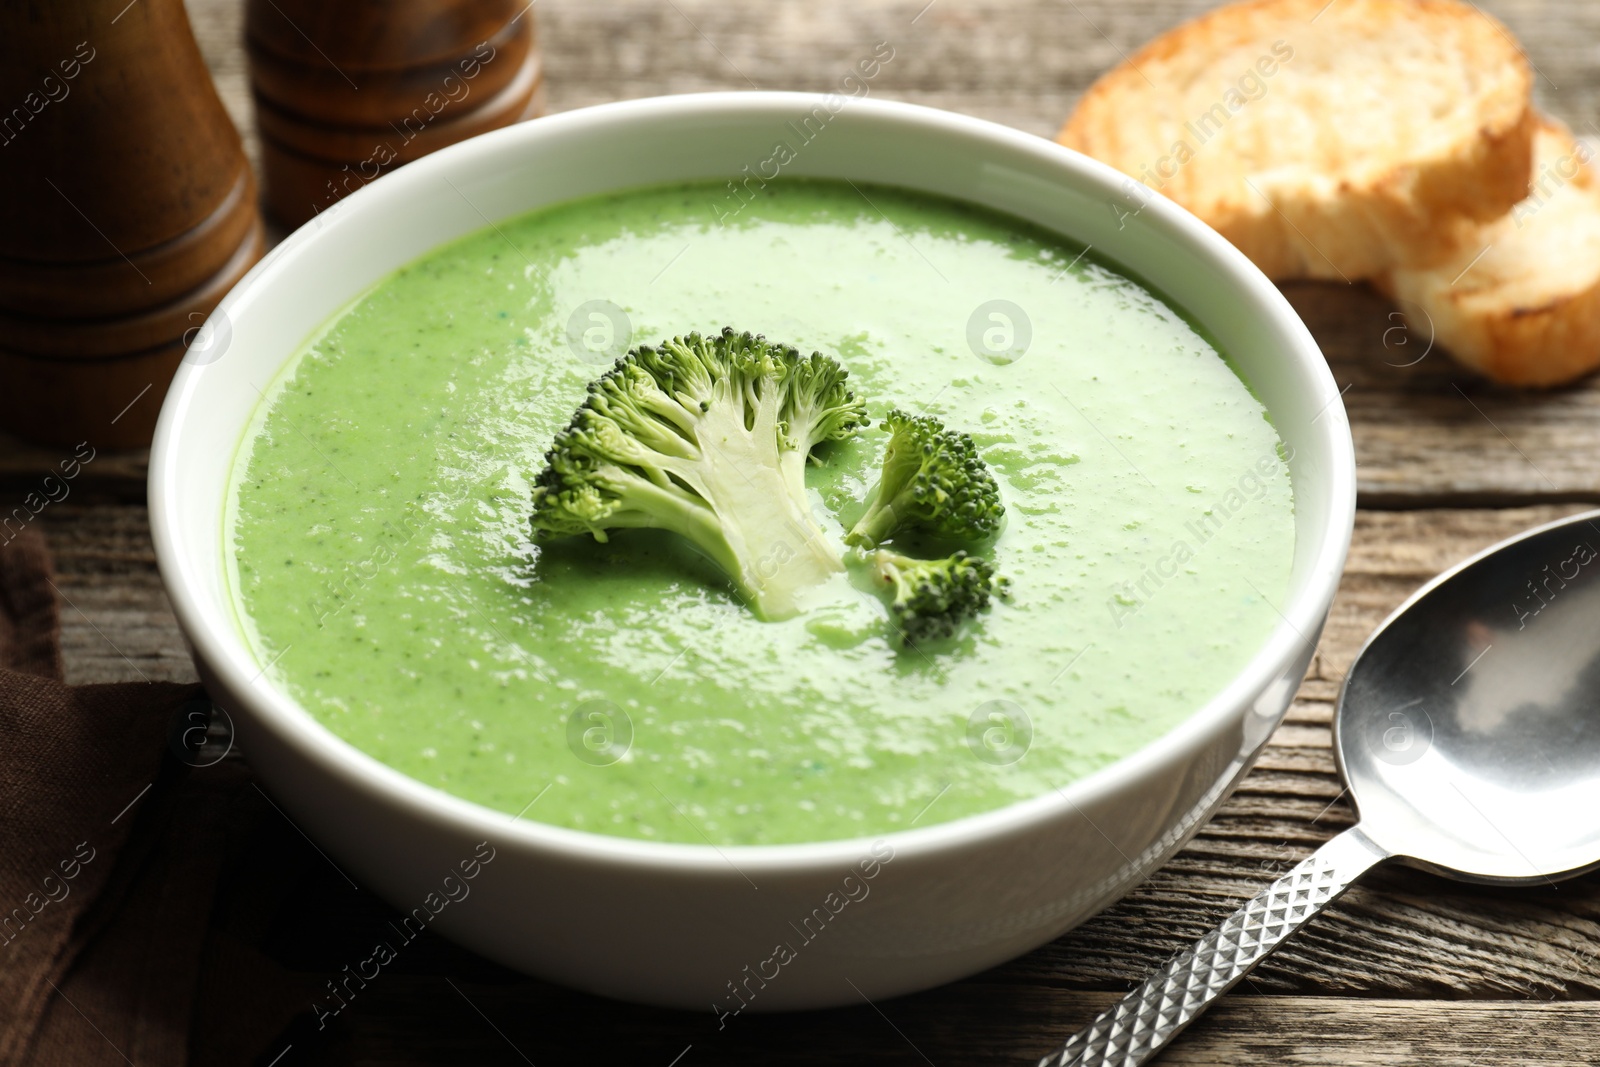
346, 90
127, 211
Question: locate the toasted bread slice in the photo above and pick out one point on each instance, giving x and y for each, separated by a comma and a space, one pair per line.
1521, 302
1325, 140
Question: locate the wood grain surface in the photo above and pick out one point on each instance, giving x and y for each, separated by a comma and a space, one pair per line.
1407, 968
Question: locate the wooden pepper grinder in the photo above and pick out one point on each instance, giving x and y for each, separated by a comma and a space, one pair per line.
127, 211
346, 90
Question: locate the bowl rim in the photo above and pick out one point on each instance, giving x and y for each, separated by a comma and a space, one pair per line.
217, 646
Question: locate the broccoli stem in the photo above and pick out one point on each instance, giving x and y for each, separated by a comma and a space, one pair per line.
761, 530
874, 527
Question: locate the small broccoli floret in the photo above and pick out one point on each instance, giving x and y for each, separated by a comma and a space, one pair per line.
933, 597
707, 437
933, 480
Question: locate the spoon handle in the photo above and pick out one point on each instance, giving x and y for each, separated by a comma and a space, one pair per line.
1134, 1029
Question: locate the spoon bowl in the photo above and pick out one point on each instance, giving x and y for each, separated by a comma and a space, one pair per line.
1468, 735
1468, 728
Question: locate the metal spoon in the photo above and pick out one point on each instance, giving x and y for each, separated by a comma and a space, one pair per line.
1468, 733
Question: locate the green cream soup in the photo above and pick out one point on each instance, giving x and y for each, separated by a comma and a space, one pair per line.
387, 577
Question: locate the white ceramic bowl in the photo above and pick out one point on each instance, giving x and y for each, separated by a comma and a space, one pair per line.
681, 925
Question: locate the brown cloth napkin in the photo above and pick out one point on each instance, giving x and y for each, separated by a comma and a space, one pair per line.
77, 765
112, 838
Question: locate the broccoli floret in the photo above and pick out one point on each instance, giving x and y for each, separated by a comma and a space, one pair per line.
707, 437
933, 597
933, 480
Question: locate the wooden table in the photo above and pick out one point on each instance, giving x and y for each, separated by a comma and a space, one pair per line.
1405, 969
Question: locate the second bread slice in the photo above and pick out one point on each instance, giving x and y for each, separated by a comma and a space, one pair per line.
1521, 301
